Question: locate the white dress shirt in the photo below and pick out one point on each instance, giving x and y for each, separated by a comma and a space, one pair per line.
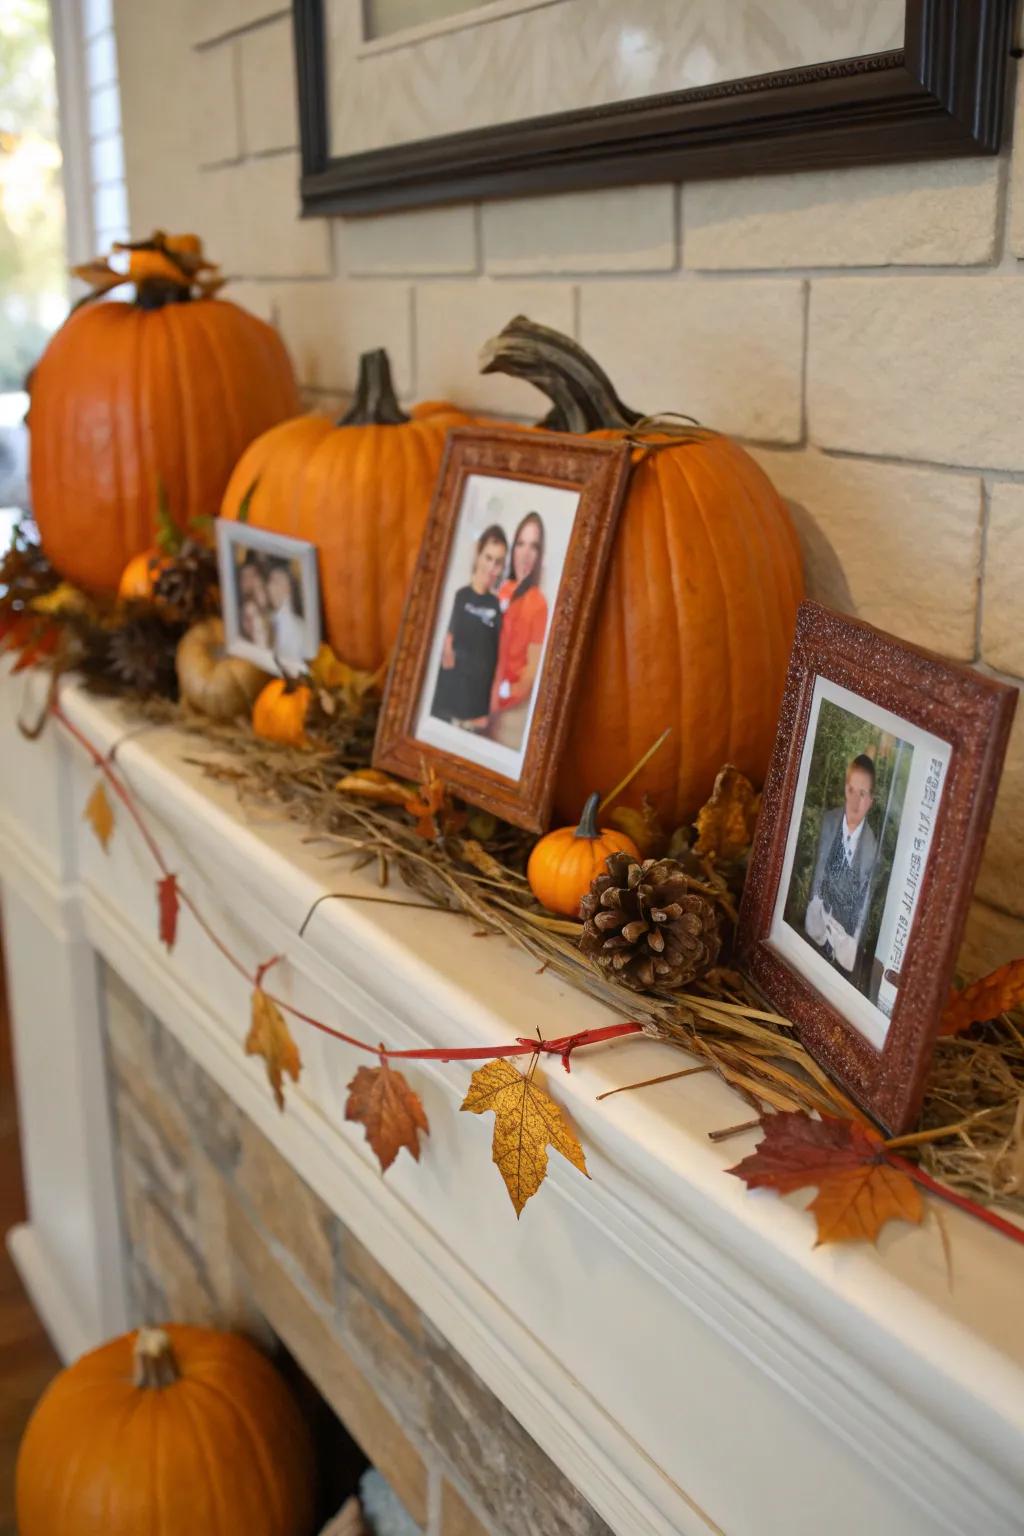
851, 839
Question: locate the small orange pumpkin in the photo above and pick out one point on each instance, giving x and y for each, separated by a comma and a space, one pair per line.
564, 863
280, 711
176, 1429
139, 576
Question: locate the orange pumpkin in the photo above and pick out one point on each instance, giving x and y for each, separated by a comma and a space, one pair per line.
565, 862
698, 609
279, 713
140, 575
180, 1430
168, 389
360, 491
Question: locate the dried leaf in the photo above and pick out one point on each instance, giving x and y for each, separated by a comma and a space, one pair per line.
474, 854
994, 994
643, 826
725, 825
99, 815
99, 274
526, 1122
859, 1188
62, 600
168, 903
269, 1037
334, 676
428, 803
371, 784
380, 1099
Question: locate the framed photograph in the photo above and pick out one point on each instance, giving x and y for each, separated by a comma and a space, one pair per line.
872, 827
499, 611
270, 595
405, 102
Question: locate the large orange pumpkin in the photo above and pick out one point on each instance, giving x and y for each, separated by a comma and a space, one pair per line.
181, 1432
165, 390
360, 491
697, 614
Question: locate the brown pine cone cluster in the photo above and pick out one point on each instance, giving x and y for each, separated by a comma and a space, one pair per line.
646, 927
186, 587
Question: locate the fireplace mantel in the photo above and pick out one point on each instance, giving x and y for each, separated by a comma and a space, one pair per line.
675, 1344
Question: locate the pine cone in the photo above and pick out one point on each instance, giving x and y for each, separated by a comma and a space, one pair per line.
139, 658
186, 587
646, 927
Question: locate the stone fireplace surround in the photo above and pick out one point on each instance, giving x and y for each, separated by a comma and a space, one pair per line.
656, 1338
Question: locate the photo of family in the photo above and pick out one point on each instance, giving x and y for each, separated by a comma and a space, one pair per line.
492, 624
866, 801
270, 597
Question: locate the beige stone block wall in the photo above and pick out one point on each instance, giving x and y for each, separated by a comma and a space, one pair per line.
862, 328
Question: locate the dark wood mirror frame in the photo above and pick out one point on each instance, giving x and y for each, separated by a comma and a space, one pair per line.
942, 93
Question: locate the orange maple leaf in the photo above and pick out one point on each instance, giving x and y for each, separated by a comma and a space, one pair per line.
994, 994
430, 802
859, 1187
99, 815
380, 1099
269, 1037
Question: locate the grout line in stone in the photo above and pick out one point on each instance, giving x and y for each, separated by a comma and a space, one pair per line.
979, 581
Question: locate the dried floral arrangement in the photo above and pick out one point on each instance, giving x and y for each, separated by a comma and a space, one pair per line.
653, 944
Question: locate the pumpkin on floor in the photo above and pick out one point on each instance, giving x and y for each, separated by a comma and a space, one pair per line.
358, 489
165, 390
182, 1431
697, 613
213, 682
564, 863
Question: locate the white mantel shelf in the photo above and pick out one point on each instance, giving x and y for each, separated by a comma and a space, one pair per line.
676, 1344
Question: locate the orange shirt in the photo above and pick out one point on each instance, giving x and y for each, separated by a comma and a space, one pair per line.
524, 624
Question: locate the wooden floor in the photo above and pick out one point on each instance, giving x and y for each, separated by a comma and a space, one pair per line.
27, 1361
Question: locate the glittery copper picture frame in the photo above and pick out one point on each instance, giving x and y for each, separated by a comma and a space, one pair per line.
870, 1015
578, 485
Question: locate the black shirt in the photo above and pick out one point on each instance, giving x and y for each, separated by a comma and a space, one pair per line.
463, 692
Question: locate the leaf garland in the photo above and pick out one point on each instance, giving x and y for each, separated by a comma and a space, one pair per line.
168, 904
859, 1188
526, 1122
99, 815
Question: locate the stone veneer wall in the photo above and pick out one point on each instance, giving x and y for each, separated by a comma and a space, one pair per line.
860, 329
220, 1231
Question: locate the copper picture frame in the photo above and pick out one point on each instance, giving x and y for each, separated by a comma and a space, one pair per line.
853, 935
439, 709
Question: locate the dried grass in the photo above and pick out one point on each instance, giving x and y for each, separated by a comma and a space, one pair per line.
971, 1131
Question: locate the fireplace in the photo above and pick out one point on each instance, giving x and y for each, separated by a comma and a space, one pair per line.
652, 1351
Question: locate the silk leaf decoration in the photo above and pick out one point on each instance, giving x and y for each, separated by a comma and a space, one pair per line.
269, 1037
526, 1122
994, 994
725, 825
99, 815
168, 902
380, 1099
859, 1187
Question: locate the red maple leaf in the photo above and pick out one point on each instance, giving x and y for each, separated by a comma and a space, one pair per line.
859, 1187
169, 903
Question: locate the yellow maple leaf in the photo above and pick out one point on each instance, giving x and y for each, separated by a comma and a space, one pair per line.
526, 1122
99, 814
270, 1038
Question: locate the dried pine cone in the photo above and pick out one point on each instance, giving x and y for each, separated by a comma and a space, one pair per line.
186, 587
646, 927
139, 658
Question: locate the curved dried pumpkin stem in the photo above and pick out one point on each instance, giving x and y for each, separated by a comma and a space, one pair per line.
582, 396
155, 1364
374, 403
588, 819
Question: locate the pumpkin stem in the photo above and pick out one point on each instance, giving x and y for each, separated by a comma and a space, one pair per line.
588, 820
375, 403
155, 1362
582, 396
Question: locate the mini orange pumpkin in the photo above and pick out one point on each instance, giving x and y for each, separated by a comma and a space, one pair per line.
359, 489
177, 1429
564, 863
140, 575
280, 711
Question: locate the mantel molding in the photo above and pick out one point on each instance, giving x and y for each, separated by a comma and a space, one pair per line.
624, 1318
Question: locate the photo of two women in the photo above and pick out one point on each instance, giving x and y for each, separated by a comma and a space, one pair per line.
494, 639
270, 606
